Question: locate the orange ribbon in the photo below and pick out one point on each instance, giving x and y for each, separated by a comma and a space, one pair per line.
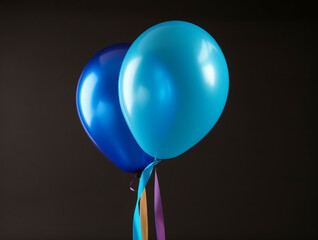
144, 215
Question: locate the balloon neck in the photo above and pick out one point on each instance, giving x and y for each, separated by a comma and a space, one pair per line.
138, 174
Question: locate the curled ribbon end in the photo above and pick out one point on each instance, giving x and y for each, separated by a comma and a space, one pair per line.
133, 181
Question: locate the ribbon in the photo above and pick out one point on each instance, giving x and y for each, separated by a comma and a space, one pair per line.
144, 178
143, 208
159, 220
144, 215
132, 182
140, 221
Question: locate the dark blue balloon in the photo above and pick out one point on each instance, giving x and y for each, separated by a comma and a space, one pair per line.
100, 113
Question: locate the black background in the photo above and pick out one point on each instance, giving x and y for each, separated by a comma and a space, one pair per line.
253, 177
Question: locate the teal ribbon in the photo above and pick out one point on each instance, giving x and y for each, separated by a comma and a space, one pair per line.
144, 178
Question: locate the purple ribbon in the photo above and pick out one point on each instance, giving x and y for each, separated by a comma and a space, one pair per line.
159, 220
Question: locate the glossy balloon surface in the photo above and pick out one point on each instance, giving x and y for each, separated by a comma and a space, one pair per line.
173, 86
99, 110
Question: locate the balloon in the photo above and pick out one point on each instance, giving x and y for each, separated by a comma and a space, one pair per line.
99, 110
173, 86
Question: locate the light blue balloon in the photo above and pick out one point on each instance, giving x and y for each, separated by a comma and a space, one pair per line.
173, 86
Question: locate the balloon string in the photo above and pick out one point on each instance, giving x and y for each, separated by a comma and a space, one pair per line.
143, 208
159, 220
144, 178
144, 215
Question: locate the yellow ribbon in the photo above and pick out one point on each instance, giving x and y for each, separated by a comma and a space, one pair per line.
144, 215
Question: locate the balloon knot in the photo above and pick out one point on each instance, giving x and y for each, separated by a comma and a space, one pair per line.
157, 160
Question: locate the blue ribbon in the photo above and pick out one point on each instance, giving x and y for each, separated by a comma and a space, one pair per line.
144, 178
